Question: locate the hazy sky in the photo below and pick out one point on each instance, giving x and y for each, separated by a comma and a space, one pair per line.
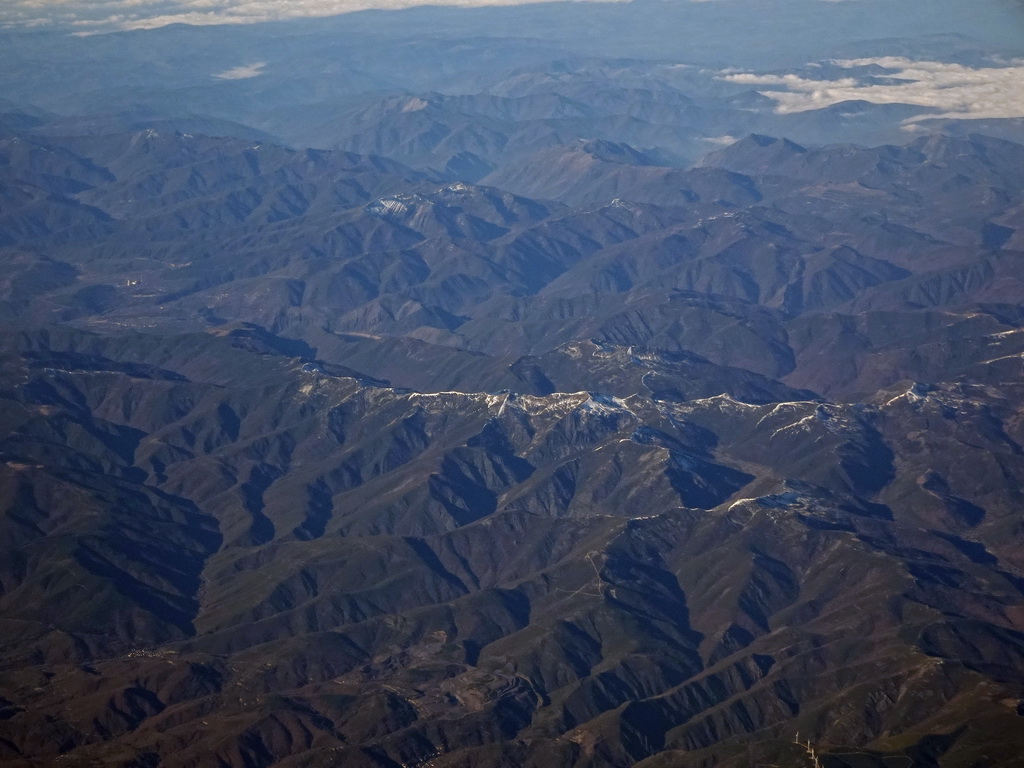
138, 14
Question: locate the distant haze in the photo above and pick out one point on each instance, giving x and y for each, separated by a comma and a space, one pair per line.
143, 14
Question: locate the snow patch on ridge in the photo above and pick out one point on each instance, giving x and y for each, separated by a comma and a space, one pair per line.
388, 206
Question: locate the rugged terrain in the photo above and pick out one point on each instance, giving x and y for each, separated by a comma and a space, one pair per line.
542, 423
311, 456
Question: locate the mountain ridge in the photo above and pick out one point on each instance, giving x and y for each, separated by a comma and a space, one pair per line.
538, 406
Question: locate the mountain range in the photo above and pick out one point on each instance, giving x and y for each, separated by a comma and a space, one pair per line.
588, 412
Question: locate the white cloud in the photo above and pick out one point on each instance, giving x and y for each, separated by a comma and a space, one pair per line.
959, 91
145, 14
243, 72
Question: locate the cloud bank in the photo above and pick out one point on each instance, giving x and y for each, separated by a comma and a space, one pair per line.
243, 72
146, 14
958, 91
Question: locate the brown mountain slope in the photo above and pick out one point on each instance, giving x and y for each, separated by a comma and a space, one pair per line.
462, 579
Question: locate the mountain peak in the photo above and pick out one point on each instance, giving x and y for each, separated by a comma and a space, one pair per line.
612, 152
755, 153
